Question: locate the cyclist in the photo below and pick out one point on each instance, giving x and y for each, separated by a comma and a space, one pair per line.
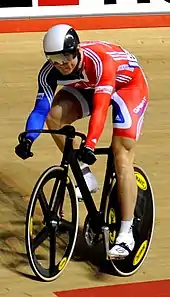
93, 76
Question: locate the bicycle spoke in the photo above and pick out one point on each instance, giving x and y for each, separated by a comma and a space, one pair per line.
43, 202
52, 249
41, 236
53, 193
60, 191
51, 224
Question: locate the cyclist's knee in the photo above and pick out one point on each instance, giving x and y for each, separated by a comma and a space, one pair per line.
53, 119
65, 110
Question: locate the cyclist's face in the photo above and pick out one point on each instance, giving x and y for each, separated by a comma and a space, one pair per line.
64, 63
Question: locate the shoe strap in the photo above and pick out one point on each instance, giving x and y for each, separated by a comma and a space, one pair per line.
125, 246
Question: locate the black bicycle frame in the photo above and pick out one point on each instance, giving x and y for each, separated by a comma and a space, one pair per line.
70, 157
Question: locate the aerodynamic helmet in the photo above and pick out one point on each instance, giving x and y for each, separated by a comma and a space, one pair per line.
59, 42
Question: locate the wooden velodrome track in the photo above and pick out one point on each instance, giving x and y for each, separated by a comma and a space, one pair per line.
20, 59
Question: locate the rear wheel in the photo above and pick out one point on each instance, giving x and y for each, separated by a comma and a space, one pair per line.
51, 235
143, 225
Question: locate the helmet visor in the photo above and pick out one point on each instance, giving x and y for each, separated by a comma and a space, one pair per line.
60, 58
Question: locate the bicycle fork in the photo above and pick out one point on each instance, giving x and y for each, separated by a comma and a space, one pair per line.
105, 230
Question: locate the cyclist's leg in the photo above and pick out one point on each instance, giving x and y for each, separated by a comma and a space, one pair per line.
69, 105
129, 108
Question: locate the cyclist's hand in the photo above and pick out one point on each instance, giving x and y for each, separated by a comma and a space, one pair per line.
87, 156
23, 149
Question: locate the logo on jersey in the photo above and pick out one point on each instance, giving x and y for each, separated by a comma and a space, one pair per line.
104, 89
40, 96
118, 118
139, 109
94, 140
125, 67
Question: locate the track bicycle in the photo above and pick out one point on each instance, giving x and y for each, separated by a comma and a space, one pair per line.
52, 218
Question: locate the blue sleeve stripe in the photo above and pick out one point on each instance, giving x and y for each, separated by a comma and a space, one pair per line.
43, 81
37, 117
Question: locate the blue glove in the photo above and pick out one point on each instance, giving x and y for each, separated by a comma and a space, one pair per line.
23, 149
87, 155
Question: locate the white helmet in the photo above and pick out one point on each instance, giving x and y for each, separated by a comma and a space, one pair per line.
60, 39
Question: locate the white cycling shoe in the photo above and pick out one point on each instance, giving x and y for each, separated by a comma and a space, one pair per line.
90, 181
124, 245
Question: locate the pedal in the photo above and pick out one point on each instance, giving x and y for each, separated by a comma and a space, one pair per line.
116, 258
105, 230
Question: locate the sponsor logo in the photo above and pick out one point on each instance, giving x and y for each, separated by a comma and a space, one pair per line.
117, 118
140, 108
140, 253
31, 226
62, 263
104, 89
40, 96
125, 67
112, 237
141, 182
112, 216
112, 220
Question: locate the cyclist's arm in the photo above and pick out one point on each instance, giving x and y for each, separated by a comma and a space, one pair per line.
101, 102
46, 90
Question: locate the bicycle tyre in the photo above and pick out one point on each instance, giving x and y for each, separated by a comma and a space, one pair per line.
43, 273
143, 226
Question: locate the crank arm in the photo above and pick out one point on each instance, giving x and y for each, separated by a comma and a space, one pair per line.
105, 230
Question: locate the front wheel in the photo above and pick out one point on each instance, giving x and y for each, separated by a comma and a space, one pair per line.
51, 224
143, 224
